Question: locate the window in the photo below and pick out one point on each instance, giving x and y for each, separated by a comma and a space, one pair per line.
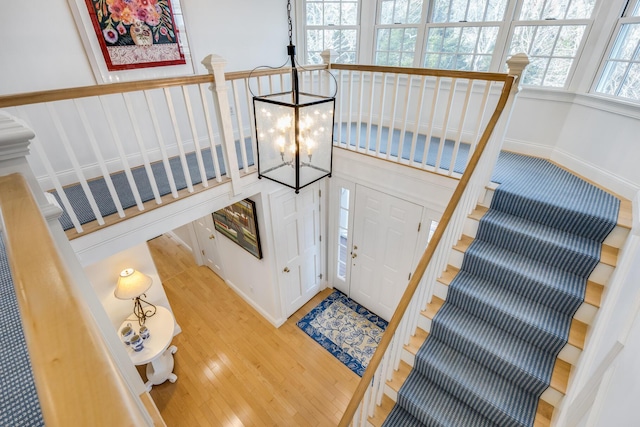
331, 24
551, 33
474, 35
620, 76
343, 234
397, 32
462, 34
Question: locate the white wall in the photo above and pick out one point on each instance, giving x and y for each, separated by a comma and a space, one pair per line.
42, 48
103, 276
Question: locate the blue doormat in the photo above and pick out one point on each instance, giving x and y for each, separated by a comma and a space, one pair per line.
345, 329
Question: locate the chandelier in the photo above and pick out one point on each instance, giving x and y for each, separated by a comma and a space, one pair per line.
294, 131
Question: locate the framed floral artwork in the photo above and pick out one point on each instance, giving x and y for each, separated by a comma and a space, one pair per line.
133, 39
136, 33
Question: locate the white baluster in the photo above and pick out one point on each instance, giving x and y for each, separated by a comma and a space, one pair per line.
162, 145
403, 126
418, 117
179, 143
445, 124
432, 117
212, 142
196, 139
461, 122
101, 163
243, 146
74, 162
392, 119
383, 95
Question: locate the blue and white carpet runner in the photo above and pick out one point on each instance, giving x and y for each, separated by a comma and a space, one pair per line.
493, 344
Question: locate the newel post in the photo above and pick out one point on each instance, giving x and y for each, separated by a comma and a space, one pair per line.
215, 65
517, 64
15, 138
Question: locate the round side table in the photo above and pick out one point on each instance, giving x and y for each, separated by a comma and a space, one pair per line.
156, 354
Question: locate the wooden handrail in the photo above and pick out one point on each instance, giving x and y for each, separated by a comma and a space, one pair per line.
367, 377
238, 75
98, 90
471, 75
77, 382
109, 89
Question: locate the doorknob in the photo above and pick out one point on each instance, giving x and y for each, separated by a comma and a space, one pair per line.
354, 255
212, 237
355, 248
286, 269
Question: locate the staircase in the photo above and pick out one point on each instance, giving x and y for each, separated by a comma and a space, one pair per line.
517, 320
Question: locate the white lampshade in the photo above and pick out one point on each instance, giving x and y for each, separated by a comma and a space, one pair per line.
131, 284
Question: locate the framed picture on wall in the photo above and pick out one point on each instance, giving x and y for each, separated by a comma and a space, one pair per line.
239, 223
133, 39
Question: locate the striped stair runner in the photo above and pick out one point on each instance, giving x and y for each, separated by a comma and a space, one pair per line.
493, 344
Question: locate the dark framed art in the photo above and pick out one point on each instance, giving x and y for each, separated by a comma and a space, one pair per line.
239, 223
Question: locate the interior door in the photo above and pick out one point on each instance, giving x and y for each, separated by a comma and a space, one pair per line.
296, 225
206, 235
385, 234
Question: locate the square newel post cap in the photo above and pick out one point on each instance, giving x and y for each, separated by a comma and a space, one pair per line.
329, 56
15, 136
215, 65
516, 65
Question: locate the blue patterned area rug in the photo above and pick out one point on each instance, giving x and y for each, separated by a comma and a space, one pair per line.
345, 329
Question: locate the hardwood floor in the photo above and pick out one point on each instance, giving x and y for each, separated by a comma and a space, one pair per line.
234, 368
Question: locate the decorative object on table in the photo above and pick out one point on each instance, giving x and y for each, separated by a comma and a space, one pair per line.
131, 285
240, 223
294, 129
126, 333
345, 329
136, 343
144, 332
136, 33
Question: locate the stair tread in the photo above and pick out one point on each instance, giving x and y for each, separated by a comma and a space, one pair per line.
472, 382
381, 411
593, 294
577, 330
559, 376
490, 346
508, 310
539, 281
608, 256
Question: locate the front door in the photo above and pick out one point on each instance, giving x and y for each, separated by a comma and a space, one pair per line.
385, 235
296, 227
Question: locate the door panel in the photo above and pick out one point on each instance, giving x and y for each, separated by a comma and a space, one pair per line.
296, 226
206, 236
384, 243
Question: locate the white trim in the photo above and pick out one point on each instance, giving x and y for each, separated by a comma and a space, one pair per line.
613, 182
528, 148
178, 240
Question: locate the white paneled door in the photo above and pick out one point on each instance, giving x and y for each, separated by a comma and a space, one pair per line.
385, 234
205, 232
296, 227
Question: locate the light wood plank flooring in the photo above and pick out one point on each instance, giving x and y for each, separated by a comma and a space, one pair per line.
234, 368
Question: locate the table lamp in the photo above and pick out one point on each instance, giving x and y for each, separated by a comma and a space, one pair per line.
131, 285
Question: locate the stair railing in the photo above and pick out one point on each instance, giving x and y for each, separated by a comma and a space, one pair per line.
73, 348
433, 262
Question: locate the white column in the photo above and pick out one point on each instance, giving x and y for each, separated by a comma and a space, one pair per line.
215, 65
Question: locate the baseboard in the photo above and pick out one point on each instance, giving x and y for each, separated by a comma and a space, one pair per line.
275, 322
175, 237
609, 180
527, 148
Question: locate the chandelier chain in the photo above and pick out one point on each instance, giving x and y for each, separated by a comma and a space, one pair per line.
290, 22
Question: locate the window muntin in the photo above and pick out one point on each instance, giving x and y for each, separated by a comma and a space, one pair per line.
620, 75
551, 32
331, 24
397, 32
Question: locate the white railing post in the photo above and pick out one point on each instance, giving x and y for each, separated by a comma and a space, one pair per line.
215, 65
516, 64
